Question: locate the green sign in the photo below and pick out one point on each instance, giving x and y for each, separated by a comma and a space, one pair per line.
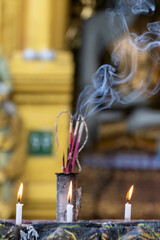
40, 143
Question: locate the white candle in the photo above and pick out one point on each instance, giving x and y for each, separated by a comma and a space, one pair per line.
19, 206
19, 213
69, 212
128, 206
69, 205
127, 215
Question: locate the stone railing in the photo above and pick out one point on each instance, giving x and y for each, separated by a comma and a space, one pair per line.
95, 230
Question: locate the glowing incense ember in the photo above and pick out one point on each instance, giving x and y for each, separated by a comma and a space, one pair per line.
129, 193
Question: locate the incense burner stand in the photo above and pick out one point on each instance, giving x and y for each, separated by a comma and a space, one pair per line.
63, 181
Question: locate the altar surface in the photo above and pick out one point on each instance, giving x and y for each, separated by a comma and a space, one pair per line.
95, 230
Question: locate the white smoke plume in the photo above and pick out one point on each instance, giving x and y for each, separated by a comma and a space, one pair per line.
114, 83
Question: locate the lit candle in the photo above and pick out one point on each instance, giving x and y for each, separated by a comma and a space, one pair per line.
69, 205
127, 215
19, 206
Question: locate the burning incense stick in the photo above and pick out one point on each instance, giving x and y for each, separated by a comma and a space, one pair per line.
77, 143
69, 148
56, 127
75, 132
70, 132
79, 136
68, 160
86, 138
73, 143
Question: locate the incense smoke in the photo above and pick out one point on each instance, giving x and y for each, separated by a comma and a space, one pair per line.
114, 83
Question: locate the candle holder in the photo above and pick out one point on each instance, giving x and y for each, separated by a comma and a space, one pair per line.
63, 181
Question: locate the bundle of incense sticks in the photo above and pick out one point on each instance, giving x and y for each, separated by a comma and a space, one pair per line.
74, 142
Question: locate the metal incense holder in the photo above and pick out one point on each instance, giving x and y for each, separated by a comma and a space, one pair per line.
63, 181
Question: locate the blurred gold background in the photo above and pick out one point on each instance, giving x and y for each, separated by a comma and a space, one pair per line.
41, 89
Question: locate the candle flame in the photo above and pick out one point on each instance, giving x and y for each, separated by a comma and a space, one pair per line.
20, 191
129, 193
70, 192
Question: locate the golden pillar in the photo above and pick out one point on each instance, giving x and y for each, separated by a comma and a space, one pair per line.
37, 24
60, 19
45, 23
10, 25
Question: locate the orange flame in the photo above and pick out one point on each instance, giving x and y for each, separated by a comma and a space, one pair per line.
70, 192
20, 191
129, 193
